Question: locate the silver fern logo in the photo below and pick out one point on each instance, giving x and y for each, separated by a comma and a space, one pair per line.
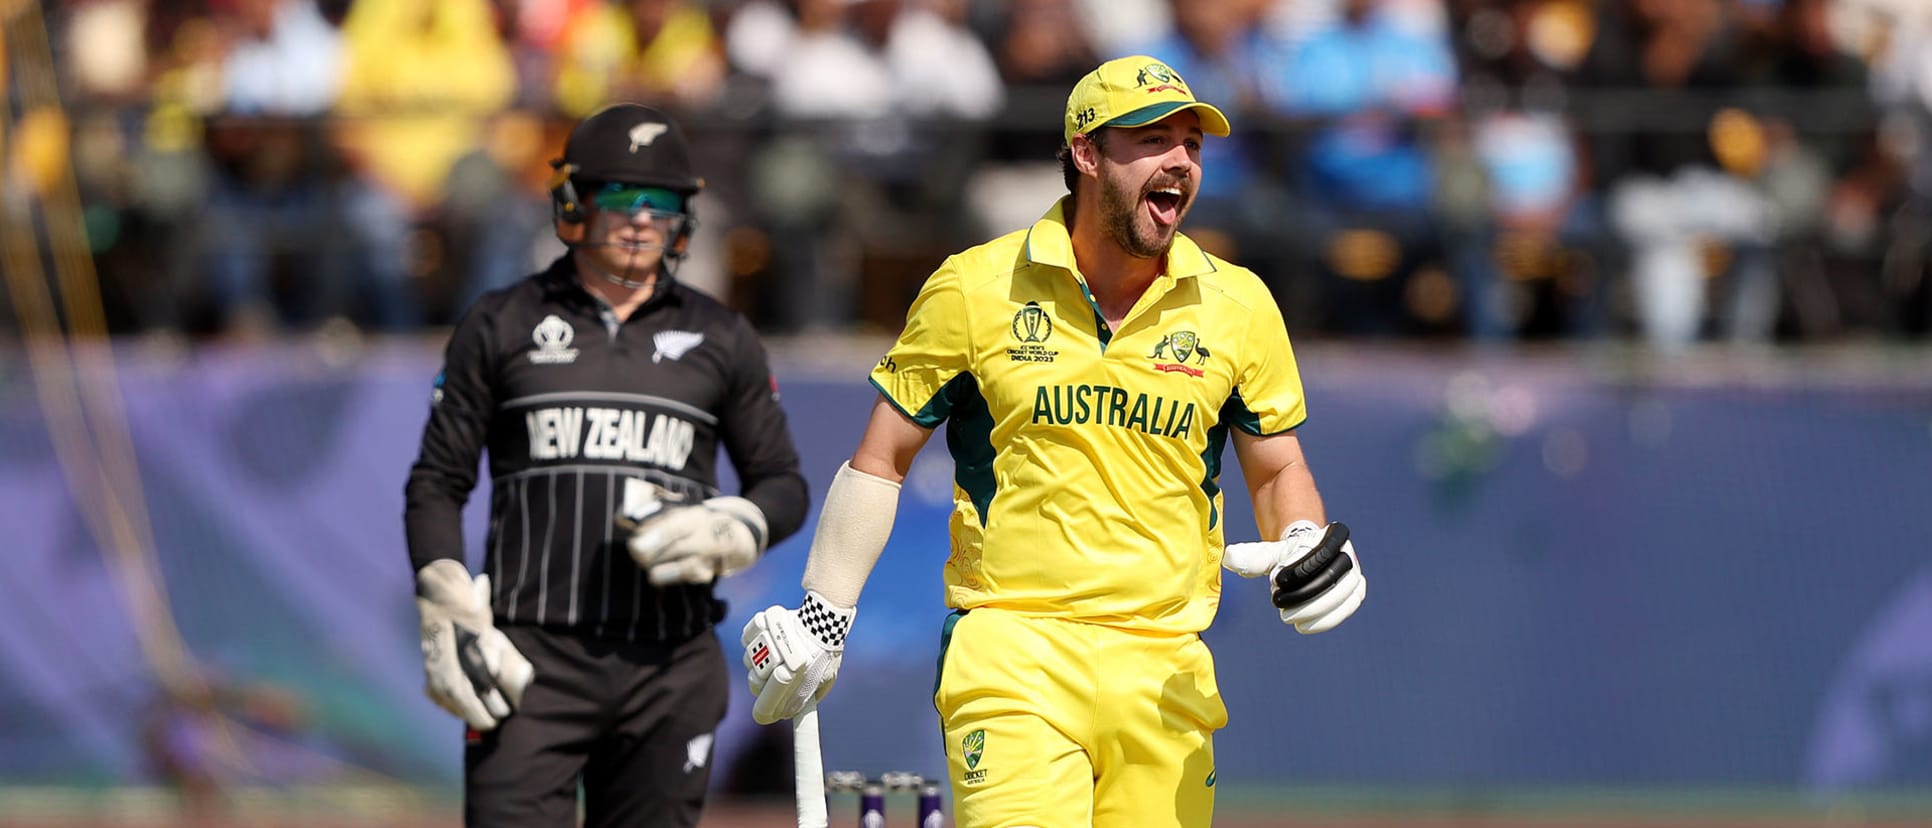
645, 134
674, 344
697, 752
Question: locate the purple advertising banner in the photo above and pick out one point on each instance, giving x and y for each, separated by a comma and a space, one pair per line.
1580, 574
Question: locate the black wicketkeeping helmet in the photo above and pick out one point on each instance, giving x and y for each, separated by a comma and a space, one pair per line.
626, 142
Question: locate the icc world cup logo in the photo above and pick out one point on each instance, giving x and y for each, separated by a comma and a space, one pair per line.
1032, 324
552, 334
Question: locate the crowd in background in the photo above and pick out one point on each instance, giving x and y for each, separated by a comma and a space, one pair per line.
1667, 171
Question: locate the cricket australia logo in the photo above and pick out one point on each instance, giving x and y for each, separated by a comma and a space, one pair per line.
553, 336
1182, 347
1031, 326
971, 748
1155, 77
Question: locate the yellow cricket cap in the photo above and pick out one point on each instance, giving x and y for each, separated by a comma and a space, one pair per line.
1134, 91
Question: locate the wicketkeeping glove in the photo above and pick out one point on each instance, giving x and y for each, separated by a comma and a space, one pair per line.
691, 543
792, 656
472, 670
1314, 577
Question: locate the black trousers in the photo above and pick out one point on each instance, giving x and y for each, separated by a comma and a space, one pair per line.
632, 722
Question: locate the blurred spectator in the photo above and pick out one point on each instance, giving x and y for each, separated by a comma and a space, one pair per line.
1216, 47
1115, 26
1041, 50
277, 162
1900, 34
495, 213
142, 77
658, 52
1676, 174
869, 156
533, 31
1529, 245
268, 200
284, 59
1039, 43
1823, 174
754, 34
1367, 83
406, 115
940, 69
106, 56
869, 60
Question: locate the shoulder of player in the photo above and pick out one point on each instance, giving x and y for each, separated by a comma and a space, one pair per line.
988, 266
706, 307
1235, 284
712, 316
502, 305
700, 302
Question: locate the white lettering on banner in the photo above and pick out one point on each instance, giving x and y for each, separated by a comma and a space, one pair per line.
610, 434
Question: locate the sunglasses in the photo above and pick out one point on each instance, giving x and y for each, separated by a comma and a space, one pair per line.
618, 197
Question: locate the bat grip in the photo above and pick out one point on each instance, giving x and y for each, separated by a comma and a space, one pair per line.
808, 764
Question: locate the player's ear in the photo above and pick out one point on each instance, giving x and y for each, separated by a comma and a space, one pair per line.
571, 232
1086, 153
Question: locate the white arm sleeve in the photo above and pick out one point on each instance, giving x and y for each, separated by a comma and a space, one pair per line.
852, 531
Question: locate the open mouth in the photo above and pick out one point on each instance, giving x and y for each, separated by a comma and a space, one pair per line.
1164, 204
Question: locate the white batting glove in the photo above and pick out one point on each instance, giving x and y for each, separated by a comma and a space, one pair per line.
792, 656
1311, 601
470, 668
698, 543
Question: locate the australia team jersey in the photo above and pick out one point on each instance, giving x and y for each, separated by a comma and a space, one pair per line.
1086, 459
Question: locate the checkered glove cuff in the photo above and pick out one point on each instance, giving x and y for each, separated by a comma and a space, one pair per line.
825, 621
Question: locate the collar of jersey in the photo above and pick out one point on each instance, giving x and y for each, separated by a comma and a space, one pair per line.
1049, 243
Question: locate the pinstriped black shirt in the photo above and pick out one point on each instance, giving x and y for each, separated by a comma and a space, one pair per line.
572, 407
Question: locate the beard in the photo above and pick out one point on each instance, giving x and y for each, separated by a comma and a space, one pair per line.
1128, 225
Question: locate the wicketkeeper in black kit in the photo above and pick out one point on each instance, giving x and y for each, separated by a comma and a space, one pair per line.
583, 653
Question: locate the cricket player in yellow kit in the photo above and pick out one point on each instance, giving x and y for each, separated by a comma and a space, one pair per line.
1091, 370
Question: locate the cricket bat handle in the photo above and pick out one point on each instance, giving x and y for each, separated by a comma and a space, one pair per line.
808, 763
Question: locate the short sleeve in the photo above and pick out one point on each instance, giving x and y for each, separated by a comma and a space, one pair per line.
1267, 395
931, 351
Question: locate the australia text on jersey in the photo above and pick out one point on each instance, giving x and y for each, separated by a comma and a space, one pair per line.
1113, 406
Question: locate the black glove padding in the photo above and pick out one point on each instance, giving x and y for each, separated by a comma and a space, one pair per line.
1320, 584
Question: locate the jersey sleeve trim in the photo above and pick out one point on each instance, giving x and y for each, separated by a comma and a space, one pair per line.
1235, 412
929, 416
